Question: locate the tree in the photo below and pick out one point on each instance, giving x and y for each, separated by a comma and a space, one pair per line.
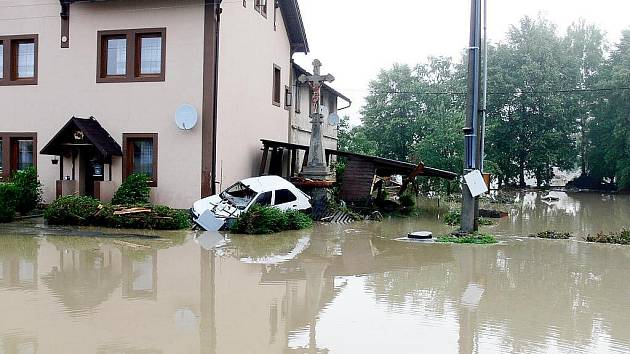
530, 128
609, 150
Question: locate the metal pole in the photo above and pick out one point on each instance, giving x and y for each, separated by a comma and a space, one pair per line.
471, 143
482, 154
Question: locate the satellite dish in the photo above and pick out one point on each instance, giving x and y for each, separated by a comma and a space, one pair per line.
333, 119
186, 117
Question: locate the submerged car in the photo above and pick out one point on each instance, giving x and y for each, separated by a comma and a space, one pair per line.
215, 212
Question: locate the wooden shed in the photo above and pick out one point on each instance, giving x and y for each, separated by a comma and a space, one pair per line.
360, 173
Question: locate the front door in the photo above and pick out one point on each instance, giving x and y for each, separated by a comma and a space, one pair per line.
91, 171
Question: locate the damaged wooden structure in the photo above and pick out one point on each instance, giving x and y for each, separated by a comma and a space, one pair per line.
361, 173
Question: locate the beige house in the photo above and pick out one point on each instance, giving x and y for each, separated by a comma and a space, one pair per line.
90, 91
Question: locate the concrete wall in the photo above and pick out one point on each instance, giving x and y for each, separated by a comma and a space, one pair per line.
67, 86
249, 49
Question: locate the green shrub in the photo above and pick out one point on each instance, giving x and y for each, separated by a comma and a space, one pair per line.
28, 189
72, 210
297, 220
267, 220
407, 200
620, 238
8, 194
553, 235
453, 217
134, 190
159, 218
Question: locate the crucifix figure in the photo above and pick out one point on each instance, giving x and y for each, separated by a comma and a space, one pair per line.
316, 167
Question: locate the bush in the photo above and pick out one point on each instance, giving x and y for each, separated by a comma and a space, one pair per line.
620, 238
8, 194
297, 220
407, 200
134, 190
454, 217
552, 235
28, 189
72, 210
159, 218
267, 220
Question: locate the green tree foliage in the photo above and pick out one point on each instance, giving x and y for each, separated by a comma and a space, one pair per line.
609, 137
554, 102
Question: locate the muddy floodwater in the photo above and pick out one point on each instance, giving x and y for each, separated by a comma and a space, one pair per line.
333, 289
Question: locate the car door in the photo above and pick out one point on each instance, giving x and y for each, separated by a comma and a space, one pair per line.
284, 199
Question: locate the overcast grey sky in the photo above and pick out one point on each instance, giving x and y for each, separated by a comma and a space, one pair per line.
354, 39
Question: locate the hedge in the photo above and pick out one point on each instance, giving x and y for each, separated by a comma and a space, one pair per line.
82, 211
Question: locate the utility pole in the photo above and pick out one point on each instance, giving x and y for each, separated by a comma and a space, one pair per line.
472, 160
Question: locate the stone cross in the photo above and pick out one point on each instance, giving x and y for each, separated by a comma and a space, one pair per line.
316, 167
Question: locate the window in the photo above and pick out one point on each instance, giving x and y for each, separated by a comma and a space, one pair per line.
140, 155
131, 55
23, 152
284, 196
264, 199
1, 60
18, 60
276, 85
116, 56
298, 97
150, 46
18, 151
261, 6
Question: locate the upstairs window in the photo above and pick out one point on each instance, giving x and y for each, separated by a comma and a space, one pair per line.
277, 78
131, 55
18, 60
116, 56
261, 6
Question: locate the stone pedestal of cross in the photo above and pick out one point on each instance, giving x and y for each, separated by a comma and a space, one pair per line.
316, 167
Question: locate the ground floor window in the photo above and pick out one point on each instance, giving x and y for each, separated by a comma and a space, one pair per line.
18, 151
140, 155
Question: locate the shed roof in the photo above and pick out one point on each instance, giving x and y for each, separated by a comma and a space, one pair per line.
93, 133
384, 166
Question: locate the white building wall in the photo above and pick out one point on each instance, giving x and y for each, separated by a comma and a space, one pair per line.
249, 48
67, 86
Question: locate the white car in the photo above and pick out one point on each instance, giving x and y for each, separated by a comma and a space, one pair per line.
213, 212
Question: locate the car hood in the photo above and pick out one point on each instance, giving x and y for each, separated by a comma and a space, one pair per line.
219, 207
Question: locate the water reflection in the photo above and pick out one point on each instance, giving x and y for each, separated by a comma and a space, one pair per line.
332, 289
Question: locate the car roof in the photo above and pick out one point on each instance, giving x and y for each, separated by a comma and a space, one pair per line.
267, 183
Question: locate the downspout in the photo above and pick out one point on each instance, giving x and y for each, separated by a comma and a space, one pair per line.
215, 98
294, 102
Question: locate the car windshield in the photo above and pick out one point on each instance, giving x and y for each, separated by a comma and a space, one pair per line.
239, 194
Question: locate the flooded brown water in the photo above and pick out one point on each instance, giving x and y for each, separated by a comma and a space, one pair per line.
333, 289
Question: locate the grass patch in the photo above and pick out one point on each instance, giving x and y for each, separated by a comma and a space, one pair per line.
476, 239
620, 238
552, 235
